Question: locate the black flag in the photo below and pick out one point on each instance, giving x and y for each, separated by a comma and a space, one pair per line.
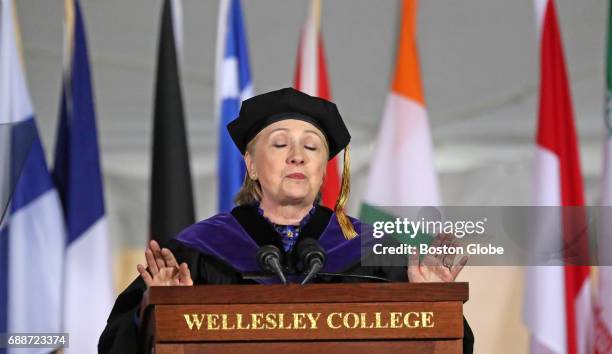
171, 191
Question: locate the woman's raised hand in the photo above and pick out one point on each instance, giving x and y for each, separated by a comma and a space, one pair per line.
435, 268
163, 270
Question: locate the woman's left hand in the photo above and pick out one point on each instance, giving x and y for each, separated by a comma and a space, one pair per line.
435, 268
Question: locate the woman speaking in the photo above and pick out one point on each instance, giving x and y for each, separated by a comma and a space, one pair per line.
287, 137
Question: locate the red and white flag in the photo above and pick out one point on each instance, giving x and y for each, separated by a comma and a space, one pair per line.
557, 306
311, 78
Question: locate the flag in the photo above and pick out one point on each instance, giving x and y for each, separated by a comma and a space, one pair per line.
557, 298
603, 309
402, 169
311, 78
171, 192
232, 86
88, 294
32, 236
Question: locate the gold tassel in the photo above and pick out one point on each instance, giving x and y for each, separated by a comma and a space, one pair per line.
345, 223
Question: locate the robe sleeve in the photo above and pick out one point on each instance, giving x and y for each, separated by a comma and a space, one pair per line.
121, 334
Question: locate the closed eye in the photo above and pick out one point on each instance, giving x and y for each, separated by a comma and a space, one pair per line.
311, 148
280, 145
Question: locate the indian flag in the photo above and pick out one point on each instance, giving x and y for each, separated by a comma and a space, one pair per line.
402, 170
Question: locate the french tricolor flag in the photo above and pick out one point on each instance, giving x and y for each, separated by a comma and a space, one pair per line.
32, 233
88, 294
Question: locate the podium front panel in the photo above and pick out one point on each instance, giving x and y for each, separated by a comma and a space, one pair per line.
327, 318
244, 322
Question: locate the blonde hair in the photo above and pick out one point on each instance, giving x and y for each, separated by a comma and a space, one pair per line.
250, 191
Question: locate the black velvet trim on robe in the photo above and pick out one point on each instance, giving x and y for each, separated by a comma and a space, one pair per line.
263, 233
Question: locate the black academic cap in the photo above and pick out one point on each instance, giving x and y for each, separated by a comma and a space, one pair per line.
262, 110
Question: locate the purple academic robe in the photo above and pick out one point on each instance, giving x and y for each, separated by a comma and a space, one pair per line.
220, 249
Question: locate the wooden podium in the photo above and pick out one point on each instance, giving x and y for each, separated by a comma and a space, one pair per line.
323, 318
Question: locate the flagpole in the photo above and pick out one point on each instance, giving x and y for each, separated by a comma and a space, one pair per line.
316, 15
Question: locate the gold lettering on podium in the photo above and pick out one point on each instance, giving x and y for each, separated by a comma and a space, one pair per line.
298, 320
271, 321
351, 320
239, 321
313, 319
308, 320
224, 325
257, 320
281, 321
212, 321
379, 324
194, 319
413, 323
330, 319
363, 320
427, 318
396, 319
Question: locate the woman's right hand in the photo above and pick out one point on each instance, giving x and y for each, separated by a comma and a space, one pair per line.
163, 270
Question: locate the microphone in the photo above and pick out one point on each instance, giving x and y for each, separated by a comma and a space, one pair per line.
269, 259
313, 257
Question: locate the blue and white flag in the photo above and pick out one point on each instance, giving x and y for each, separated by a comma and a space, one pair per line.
32, 234
232, 86
88, 294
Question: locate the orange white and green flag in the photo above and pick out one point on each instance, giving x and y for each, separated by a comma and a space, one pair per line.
402, 170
